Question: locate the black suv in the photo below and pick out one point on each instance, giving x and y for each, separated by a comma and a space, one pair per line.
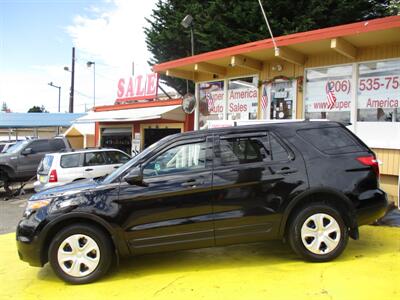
20, 162
311, 183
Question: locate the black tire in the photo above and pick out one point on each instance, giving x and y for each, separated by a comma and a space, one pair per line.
304, 246
90, 233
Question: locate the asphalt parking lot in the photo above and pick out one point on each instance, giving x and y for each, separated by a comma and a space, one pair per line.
368, 269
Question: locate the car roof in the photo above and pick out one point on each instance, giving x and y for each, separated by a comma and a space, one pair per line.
85, 151
286, 125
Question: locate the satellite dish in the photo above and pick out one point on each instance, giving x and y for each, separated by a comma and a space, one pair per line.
188, 103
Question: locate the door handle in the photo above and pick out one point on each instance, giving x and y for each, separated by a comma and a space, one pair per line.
192, 183
285, 171
88, 170
116, 167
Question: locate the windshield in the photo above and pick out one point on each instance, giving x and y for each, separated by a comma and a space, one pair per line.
114, 175
17, 147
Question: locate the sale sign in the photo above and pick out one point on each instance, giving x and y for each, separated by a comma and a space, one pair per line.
379, 92
139, 87
328, 95
243, 100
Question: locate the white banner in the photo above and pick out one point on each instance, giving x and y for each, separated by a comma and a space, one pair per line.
379, 92
317, 95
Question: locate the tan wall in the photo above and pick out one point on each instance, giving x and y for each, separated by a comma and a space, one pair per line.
390, 161
76, 141
390, 185
90, 141
41, 132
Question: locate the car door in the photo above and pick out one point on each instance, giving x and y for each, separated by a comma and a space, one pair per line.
253, 174
172, 209
71, 167
28, 164
94, 164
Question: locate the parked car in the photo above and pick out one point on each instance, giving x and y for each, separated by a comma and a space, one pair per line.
310, 183
19, 163
57, 169
5, 145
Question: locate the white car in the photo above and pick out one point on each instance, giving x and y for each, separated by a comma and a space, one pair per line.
60, 168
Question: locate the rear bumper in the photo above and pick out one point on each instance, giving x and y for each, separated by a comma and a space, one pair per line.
372, 206
38, 186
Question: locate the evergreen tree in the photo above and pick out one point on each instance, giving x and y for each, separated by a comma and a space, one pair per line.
220, 24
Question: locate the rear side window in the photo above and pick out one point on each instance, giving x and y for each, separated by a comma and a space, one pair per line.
70, 160
331, 140
45, 164
94, 159
116, 157
57, 144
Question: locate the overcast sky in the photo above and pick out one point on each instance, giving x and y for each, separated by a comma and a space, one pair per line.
36, 40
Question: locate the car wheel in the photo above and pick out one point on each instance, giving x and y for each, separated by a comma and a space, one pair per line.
318, 233
80, 254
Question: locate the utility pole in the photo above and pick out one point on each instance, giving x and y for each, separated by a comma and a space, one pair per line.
71, 94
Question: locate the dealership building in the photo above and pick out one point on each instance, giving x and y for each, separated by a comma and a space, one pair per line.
348, 73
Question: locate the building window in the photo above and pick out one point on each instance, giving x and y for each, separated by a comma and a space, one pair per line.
328, 93
242, 99
378, 91
211, 104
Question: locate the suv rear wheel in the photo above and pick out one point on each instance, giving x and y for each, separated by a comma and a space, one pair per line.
318, 233
80, 254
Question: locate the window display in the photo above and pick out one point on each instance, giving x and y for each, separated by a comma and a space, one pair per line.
282, 99
378, 92
242, 98
211, 102
328, 93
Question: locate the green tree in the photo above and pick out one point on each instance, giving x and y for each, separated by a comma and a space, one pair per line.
37, 109
4, 107
220, 24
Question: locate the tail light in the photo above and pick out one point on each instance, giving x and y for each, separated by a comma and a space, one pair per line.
53, 176
370, 161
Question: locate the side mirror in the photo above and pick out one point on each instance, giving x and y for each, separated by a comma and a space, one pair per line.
27, 151
135, 176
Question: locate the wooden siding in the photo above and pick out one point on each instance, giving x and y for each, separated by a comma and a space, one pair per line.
363, 54
390, 159
390, 185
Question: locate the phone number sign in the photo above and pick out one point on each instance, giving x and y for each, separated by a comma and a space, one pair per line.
379, 92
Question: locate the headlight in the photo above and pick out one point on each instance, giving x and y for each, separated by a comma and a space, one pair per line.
33, 206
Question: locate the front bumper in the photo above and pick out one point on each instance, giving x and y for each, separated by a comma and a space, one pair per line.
29, 242
372, 205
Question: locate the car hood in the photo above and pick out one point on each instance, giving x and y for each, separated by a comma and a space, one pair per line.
7, 156
68, 189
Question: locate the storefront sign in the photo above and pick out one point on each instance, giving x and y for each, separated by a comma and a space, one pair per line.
215, 102
319, 92
139, 87
379, 92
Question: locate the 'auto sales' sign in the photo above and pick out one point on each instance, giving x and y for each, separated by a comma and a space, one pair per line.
140, 87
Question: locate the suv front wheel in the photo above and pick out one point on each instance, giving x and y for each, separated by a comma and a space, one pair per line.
318, 233
80, 254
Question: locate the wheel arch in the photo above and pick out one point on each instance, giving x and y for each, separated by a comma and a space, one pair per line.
322, 195
54, 226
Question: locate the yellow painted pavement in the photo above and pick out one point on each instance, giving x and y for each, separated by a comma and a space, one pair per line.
368, 269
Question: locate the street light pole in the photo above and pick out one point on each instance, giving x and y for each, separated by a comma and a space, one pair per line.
89, 64
59, 93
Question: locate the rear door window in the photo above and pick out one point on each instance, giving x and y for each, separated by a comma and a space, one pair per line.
116, 157
40, 146
94, 159
70, 160
331, 140
243, 150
